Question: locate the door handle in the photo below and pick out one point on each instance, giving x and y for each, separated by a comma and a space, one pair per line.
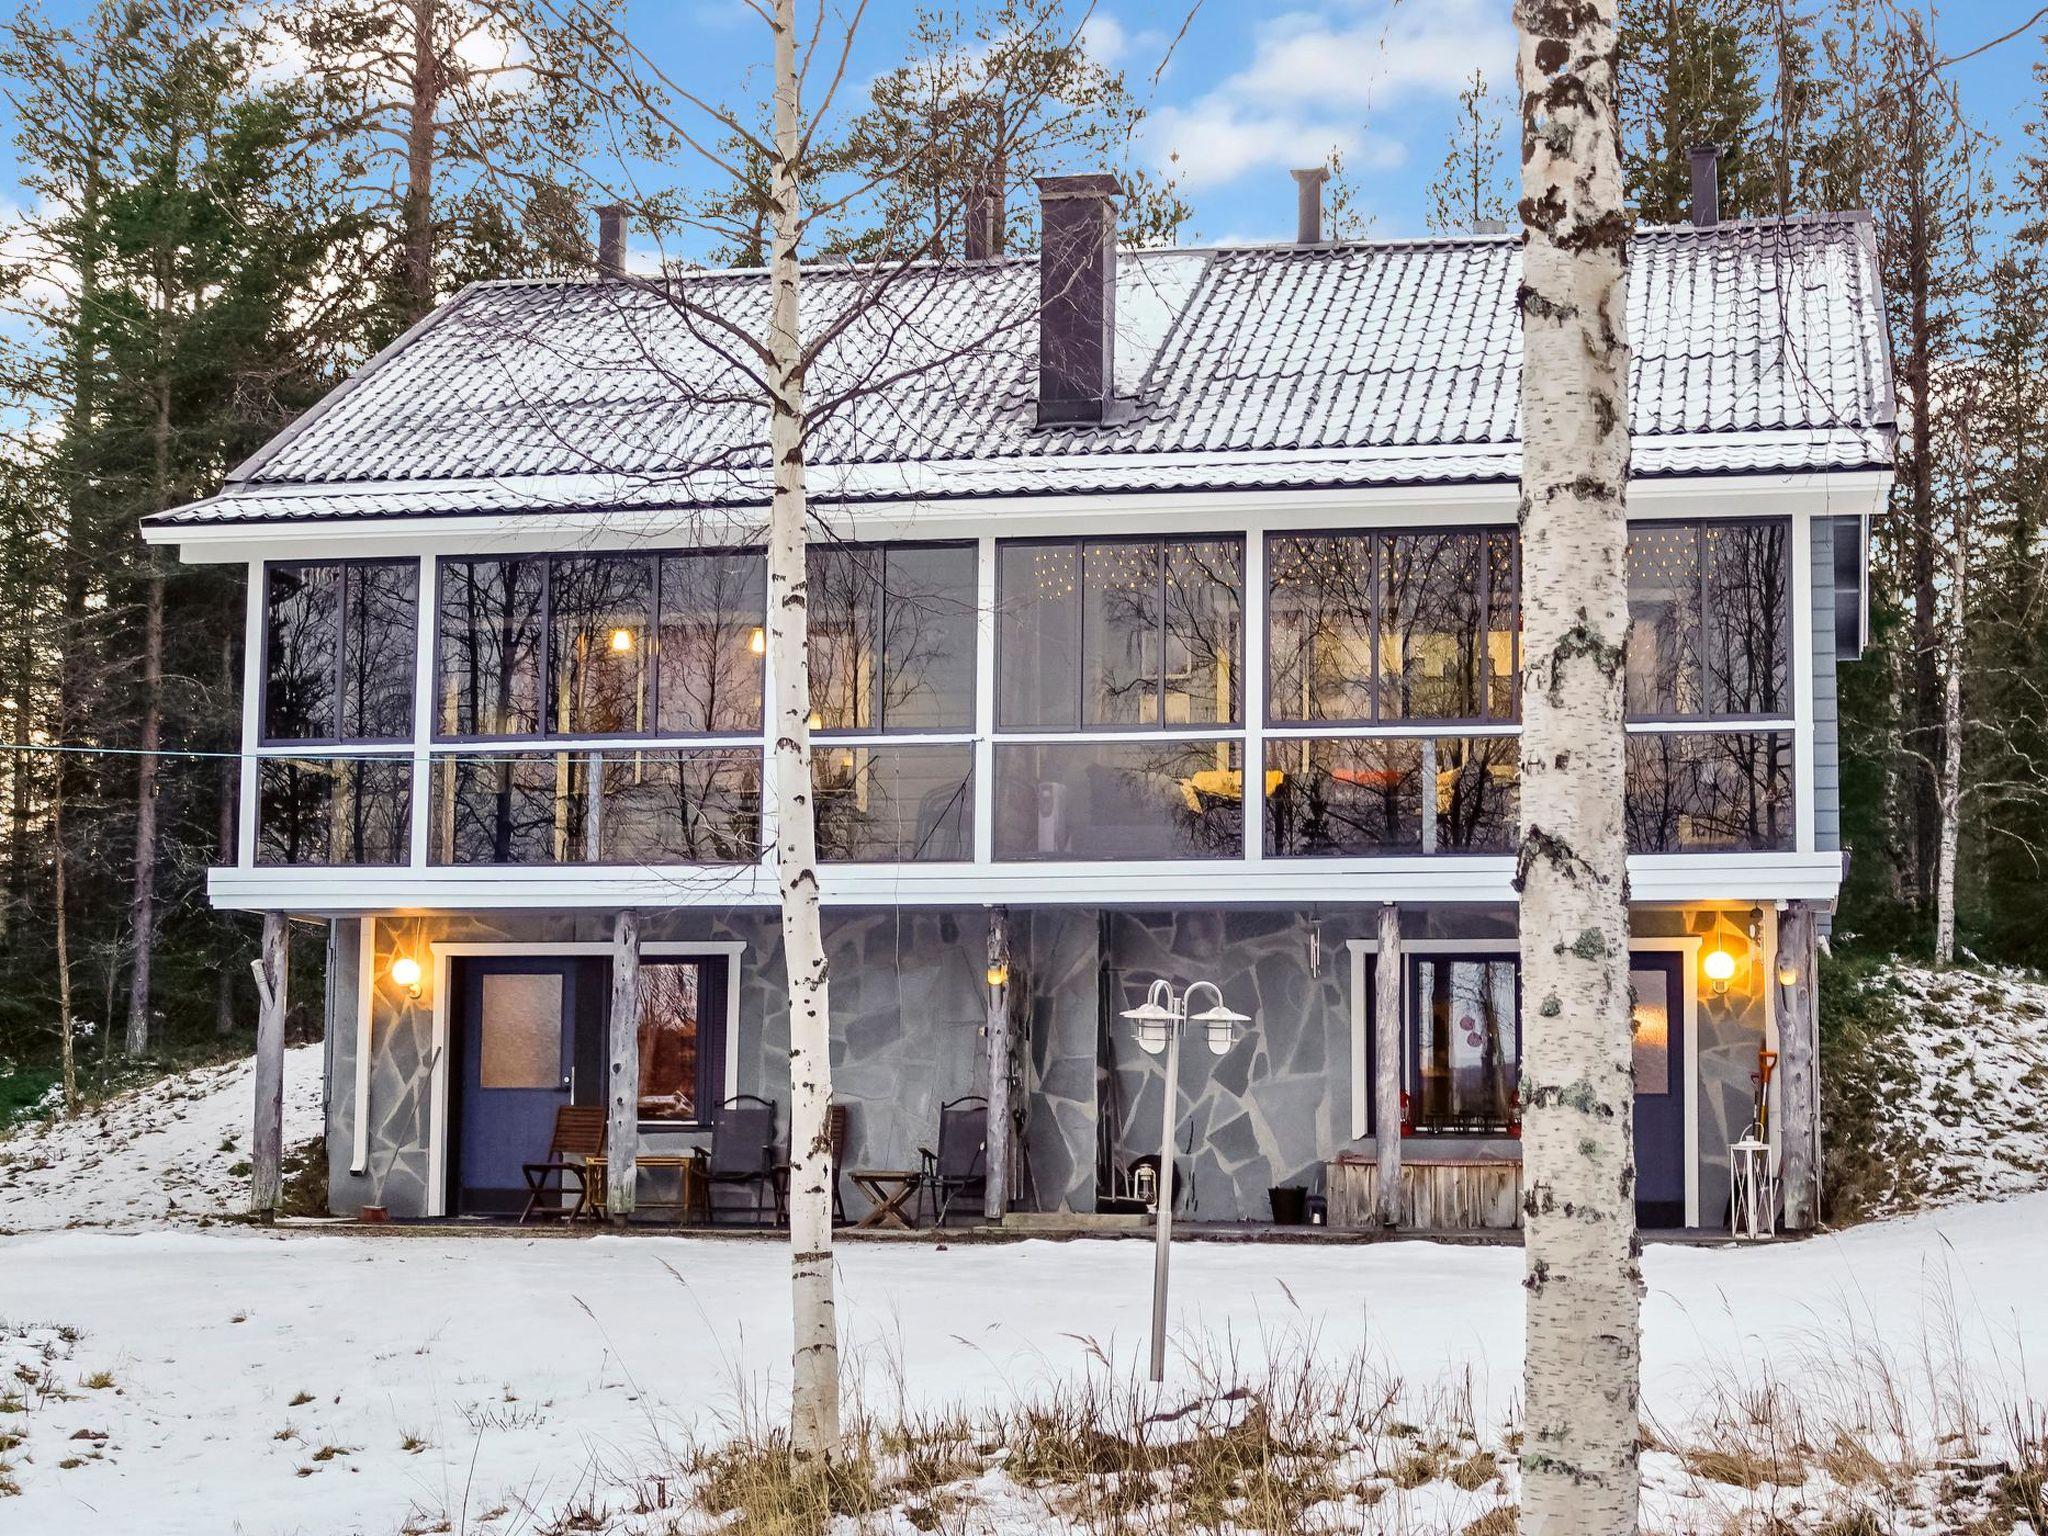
567, 1085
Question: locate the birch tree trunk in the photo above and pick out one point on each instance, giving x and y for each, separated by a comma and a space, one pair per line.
1386, 1024
814, 1396
1950, 798
1583, 1285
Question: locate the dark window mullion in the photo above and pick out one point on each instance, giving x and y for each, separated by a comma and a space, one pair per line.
1164, 630
883, 604
1080, 548
1706, 709
1375, 599
338, 731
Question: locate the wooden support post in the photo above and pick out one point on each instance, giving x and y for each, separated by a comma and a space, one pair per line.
622, 1130
1798, 1069
1386, 1104
996, 1193
266, 1145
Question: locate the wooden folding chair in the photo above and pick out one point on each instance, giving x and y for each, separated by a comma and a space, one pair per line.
579, 1134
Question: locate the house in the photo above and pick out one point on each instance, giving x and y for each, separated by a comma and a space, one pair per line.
1164, 617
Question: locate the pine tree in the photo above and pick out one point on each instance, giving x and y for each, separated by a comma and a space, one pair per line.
1690, 75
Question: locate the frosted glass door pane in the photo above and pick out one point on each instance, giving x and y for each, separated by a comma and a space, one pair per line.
1652, 1030
522, 1032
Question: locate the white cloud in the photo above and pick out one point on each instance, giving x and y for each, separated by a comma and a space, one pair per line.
1317, 79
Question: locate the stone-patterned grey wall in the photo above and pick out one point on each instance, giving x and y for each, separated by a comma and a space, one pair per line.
908, 1002
1060, 973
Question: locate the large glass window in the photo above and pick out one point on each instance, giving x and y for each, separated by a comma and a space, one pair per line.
1720, 792
1466, 1066
677, 1042
1119, 633
334, 810
602, 645
339, 641
892, 637
1362, 796
894, 805
1365, 627
1160, 799
1710, 625
632, 806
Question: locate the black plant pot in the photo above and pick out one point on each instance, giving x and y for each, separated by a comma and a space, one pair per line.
1290, 1205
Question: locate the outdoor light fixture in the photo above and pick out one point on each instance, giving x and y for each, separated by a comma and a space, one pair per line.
405, 972
1720, 968
622, 641
1160, 1020
1788, 974
999, 975
757, 642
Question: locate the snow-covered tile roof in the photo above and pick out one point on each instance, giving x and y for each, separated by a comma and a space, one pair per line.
1759, 346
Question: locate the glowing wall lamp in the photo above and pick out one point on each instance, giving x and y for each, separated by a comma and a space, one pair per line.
405, 972
1720, 968
999, 975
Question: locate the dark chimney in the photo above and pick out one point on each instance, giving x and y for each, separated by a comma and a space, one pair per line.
980, 215
1706, 184
1308, 205
611, 241
1076, 297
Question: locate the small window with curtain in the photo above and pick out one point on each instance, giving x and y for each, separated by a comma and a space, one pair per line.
339, 646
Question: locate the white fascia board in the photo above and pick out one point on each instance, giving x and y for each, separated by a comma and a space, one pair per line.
1019, 516
1672, 878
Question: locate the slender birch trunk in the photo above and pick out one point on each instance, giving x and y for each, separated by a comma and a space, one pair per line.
814, 1396
1950, 796
1584, 1288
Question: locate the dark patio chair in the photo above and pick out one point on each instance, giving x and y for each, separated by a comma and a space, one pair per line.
743, 1152
960, 1163
579, 1134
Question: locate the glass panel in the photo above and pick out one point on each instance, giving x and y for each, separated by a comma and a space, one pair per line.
1503, 627
334, 811
1038, 649
681, 807
928, 638
1663, 677
713, 640
302, 620
845, 586
490, 647
380, 659
1467, 1051
522, 1031
1119, 800
1429, 627
1749, 619
1478, 793
601, 616
1204, 620
1693, 792
1319, 627
1363, 796
894, 804
1652, 1022
1354, 797
1120, 634
510, 809
670, 1041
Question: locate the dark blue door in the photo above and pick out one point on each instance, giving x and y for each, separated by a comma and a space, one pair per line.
1657, 983
517, 1068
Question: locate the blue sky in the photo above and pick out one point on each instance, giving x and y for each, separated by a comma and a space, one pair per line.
1252, 89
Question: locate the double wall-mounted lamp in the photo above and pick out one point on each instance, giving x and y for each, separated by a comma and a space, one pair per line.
405, 972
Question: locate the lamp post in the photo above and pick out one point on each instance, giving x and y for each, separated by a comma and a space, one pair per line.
1160, 1020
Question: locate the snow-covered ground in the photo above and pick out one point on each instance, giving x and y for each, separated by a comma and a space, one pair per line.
1960, 1095
301, 1382
166, 1150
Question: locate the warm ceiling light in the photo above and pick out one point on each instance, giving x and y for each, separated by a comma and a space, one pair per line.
622, 640
405, 972
757, 642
